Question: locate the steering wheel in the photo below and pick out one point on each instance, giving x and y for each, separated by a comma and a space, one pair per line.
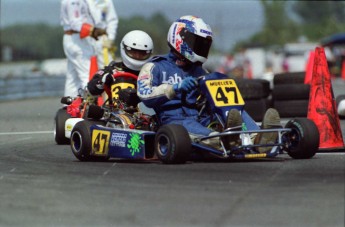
200, 102
125, 74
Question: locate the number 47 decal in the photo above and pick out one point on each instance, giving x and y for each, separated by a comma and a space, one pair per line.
100, 142
224, 93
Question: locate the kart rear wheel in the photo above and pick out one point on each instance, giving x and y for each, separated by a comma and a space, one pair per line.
59, 126
81, 141
172, 144
303, 139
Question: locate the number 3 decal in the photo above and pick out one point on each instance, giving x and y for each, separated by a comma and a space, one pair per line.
115, 88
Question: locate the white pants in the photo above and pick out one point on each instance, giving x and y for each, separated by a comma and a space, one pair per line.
78, 52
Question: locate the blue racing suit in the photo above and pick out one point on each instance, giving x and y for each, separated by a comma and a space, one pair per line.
155, 89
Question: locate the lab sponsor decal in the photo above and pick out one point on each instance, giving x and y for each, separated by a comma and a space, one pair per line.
171, 79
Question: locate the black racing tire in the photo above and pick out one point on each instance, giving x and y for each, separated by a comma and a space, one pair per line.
266, 87
303, 139
81, 141
172, 144
291, 108
250, 89
291, 91
289, 78
59, 126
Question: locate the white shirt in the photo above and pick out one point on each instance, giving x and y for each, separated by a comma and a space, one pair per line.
104, 16
73, 14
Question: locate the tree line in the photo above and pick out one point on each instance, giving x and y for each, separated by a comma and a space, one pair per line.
284, 22
42, 41
292, 21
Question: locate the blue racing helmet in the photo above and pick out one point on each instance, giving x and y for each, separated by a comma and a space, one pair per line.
190, 37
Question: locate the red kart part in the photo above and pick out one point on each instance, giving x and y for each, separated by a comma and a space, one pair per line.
74, 108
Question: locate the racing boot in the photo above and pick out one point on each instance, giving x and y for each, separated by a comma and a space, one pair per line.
271, 120
234, 119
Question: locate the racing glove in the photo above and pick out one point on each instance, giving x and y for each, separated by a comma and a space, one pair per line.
107, 77
97, 32
186, 85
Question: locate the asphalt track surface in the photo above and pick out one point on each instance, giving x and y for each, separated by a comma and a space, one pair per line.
43, 184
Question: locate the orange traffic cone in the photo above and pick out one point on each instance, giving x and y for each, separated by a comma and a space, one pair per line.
93, 70
309, 68
93, 67
322, 107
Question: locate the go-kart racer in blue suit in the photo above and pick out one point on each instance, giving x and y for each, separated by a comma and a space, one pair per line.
162, 81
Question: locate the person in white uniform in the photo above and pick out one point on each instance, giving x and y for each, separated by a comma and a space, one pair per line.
105, 17
79, 30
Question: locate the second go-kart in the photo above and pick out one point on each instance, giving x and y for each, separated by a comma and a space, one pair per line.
79, 108
76, 109
133, 134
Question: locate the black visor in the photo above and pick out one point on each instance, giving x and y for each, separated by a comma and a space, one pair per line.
200, 45
137, 54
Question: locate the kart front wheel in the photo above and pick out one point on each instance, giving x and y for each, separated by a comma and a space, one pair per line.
81, 141
303, 140
59, 126
172, 144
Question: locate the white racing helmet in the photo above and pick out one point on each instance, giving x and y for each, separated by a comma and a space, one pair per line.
136, 49
191, 38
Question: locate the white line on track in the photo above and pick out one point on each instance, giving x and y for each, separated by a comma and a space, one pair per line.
16, 140
25, 133
108, 170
